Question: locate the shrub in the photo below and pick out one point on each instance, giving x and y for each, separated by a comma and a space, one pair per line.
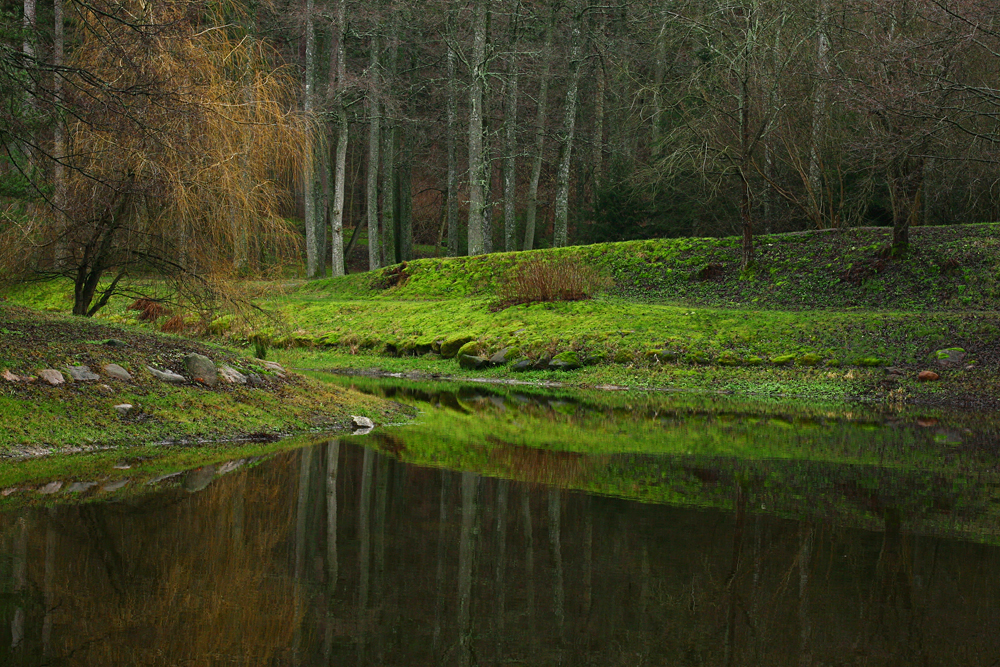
539, 280
149, 309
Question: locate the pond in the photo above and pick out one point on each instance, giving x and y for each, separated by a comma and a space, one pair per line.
513, 526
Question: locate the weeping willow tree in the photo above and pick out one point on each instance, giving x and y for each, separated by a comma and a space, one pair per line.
179, 144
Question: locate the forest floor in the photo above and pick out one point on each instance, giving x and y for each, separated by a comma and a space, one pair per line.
38, 417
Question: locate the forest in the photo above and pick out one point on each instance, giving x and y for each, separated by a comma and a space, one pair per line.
206, 142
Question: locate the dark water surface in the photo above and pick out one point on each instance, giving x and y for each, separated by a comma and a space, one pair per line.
443, 545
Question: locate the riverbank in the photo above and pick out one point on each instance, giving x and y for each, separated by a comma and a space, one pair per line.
69, 384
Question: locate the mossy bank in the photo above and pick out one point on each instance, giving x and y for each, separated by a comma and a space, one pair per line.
38, 416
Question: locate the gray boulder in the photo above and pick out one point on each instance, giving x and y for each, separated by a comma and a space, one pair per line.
123, 409
470, 362
166, 376
230, 375
82, 373
951, 357
117, 372
522, 365
201, 369
199, 478
501, 358
51, 376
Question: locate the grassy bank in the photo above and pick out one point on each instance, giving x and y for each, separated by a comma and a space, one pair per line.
37, 416
826, 314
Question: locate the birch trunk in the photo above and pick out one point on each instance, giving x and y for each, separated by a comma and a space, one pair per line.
309, 190
561, 225
510, 141
451, 203
374, 245
477, 162
340, 160
819, 116
540, 115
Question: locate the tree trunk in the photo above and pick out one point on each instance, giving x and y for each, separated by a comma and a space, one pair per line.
374, 245
405, 196
466, 564
818, 131
907, 191
59, 133
540, 116
451, 188
510, 140
337, 267
477, 162
390, 239
310, 191
597, 161
561, 225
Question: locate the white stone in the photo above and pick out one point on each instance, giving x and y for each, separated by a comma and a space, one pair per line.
230, 375
166, 376
123, 408
51, 376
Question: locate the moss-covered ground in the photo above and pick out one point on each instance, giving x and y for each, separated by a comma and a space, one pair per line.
823, 315
37, 417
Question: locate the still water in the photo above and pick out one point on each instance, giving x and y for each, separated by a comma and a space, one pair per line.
459, 540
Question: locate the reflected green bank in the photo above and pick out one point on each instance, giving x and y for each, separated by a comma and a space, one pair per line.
509, 526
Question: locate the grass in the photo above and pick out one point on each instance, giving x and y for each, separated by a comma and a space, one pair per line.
819, 314
37, 416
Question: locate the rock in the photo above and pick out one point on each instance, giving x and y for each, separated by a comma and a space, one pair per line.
542, 363
104, 390
123, 409
230, 466
254, 380
783, 359
659, 356
950, 357
565, 361
471, 349
501, 358
201, 369
114, 486
9, 491
450, 347
892, 370
470, 362
870, 362
928, 376
230, 375
166, 376
522, 365
361, 425
114, 342
82, 373
50, 488
164, 478
80, 487
198, 479
273, 366
117, 372
728, 359
51, 376
10, 377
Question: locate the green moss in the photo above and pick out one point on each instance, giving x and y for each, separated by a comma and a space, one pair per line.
470, 349
869, 362
454, 343
810, 359
782, 359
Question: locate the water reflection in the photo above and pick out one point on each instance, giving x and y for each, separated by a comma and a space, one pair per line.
337, 554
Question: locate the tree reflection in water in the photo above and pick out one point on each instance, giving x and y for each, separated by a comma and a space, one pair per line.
338, 554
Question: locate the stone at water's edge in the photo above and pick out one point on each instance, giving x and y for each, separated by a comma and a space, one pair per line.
231, 375
522, 365
201, 369
928, 376
361, 425
565, 361
450, 347
500, 358
82, 373
117, 372
471, 363
166, 376
51, 376
51, 487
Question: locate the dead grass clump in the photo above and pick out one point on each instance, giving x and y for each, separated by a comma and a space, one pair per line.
149, 309
175, 325
540, 280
